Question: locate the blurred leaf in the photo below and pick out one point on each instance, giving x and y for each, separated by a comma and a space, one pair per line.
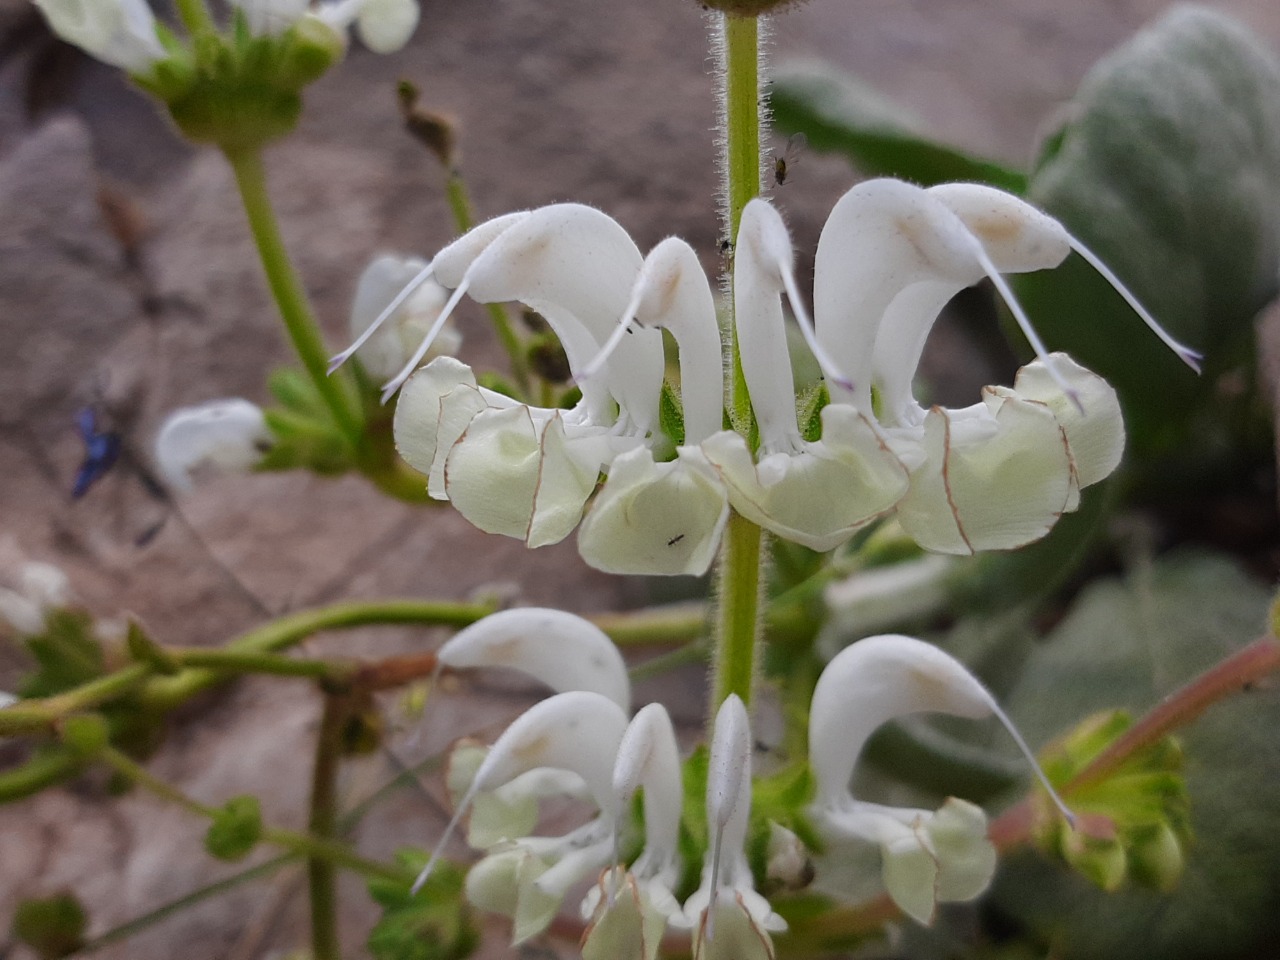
434, 924
52, 926
236, 829
304, 441
1168, 168
1124, 645
838, 113
67, 654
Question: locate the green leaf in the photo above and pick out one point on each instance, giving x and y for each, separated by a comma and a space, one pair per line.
1169, 170
67, 654
236, 829
1125, 645
838, 113
434, 924
52, 926
301, 441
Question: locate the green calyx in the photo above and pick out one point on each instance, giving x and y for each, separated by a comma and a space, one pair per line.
239, 91
748, 8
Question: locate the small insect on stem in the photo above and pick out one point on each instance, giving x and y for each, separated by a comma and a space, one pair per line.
676, 539
790, 156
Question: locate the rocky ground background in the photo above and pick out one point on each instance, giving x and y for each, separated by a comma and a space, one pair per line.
127, 278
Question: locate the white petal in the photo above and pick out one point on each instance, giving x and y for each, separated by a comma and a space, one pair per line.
560, 649
648, 757
119, 32
757, 316
870, 682
1018, 237
994, 477
883, 238
1096, 438
656, 518
674, 294
966, 857
577, 267
272, 17
577, 731
821, 495
225, 435
386, 25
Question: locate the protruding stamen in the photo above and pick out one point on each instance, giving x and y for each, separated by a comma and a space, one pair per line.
445, 837
1035, 764
829, 367
1024, 322
422, 277
395, 383
1191, 358
615, 338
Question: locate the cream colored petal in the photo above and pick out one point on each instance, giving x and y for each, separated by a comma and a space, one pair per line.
822, 495
491, 473
386, 25
418, 418
910, 874
567, 476
1096, 437
966, 857
994, 477
623, 924
656, 518
731, 934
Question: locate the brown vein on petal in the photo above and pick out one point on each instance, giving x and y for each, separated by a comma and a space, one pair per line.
946, 476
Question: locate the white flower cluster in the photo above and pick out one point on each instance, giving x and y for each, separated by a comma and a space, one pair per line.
995, 475
123, 32
579, 743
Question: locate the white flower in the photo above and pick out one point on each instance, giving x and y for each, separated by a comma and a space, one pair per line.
927, 857
390, 345
227, 436
119, 32
384, 25
998, 474
995, 475
730, 920
34, 589
528, 471
579, 744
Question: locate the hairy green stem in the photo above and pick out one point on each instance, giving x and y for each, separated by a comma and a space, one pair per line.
322, 878
46, 768
30, 715
740, 76
738, 624
289, 295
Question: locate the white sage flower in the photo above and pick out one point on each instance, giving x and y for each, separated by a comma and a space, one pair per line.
225, 436
392, 343
729, 919
998, 474
927, 857
121, 33
29, 591
527, 878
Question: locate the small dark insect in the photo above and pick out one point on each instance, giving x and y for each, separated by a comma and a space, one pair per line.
101, 451
784, 162
676, 539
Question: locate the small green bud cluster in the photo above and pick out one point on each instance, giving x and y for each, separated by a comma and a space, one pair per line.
239, 90
1133, 822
